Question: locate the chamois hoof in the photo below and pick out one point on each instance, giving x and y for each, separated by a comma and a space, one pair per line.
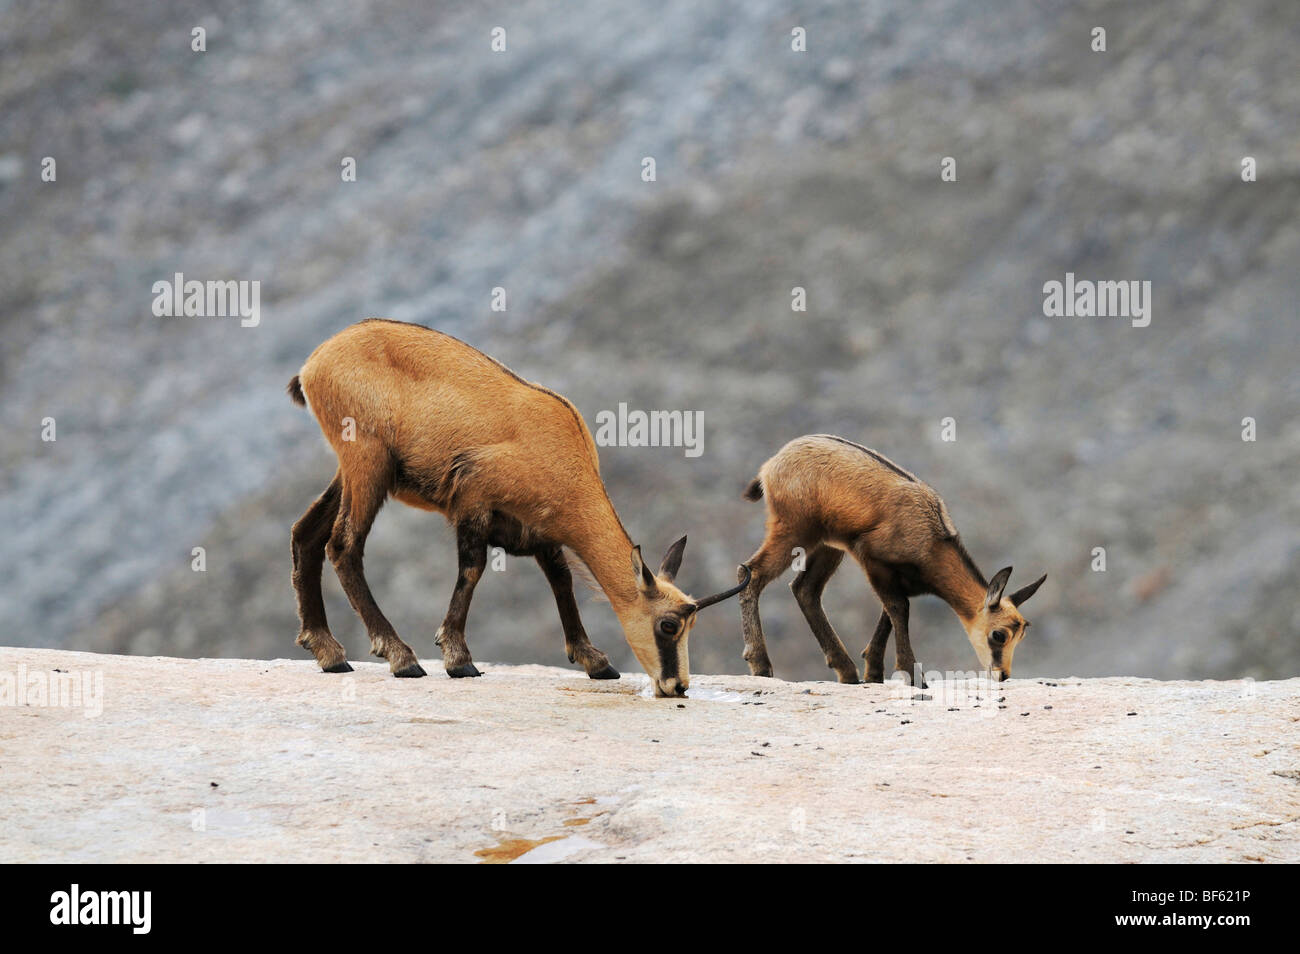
848, 680
460, 672
338, 667
609, 672
759, 664
413, 671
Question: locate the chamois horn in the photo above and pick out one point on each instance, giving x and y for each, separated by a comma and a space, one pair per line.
725, 594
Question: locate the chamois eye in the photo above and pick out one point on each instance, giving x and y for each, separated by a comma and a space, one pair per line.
668, 627
998, 637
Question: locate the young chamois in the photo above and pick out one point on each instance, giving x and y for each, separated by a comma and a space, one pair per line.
829, 497
424, 418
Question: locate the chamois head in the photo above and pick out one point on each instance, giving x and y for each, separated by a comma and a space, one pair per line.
657, 627
998, 627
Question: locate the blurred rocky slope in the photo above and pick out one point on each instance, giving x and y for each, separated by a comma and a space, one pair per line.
775, 169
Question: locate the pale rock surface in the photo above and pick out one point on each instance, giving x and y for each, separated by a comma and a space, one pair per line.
255, 761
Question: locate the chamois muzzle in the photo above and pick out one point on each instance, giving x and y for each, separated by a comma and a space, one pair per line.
725, 594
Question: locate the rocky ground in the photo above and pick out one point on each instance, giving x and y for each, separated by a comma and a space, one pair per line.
775, 169
246, 760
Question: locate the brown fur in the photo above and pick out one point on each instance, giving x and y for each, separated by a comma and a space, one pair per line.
829, 496
443, 427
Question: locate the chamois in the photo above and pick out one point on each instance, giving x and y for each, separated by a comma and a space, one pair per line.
422, 417
830, 496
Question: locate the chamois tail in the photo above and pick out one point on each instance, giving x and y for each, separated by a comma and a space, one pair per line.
754, 491
295, 391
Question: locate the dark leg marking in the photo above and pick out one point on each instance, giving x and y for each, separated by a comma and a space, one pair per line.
471, 552
576, 644
904, 659
346, 548
808, 587
769, 562
309, 536
875, 651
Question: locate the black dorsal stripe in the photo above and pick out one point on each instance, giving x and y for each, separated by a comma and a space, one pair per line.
876, 456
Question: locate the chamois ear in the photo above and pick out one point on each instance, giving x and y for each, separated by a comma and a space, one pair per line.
645, 580
996, 585
1022, 594
673, 560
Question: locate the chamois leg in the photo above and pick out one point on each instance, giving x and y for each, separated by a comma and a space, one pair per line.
576, 644
874, 654
471, 552
904, 659
364, 492
309, 536
769, 562
808, 587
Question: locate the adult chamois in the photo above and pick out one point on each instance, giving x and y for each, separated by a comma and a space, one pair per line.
422, 417
829, 496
